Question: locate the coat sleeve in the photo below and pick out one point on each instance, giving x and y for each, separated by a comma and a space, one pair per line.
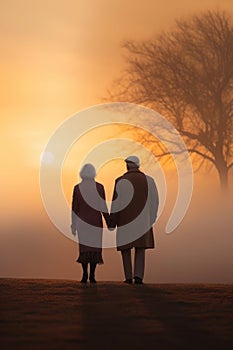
75, 209
154, 200
104, 209
113, 211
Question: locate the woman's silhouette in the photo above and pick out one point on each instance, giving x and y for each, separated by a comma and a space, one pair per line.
88, 206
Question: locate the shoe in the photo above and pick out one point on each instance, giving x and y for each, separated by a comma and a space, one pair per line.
128, 281
138, 280
92, 280
84, 280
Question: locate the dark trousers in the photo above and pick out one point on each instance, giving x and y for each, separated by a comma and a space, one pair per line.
139, 263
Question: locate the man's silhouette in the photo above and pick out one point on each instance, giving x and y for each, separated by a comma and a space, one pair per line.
134, 220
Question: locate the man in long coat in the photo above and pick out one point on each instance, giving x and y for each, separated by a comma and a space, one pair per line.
133, 211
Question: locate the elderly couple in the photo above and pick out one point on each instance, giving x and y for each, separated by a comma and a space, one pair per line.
133, 212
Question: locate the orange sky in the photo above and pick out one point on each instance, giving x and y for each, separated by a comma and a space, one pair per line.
57, 58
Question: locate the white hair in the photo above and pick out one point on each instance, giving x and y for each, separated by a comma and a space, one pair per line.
87, 171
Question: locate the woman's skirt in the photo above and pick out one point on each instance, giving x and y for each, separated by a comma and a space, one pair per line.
90, 257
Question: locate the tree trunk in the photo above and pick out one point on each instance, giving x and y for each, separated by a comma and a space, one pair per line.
223, 176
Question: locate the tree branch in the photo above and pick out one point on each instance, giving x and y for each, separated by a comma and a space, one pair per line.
191, 150
186, 75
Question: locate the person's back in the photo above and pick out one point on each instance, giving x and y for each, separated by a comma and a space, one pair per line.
140, 194
90, 194
134, 218
88, 206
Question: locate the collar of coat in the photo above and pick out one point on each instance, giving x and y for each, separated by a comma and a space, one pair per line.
133, 171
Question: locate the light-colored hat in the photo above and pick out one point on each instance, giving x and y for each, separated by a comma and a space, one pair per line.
133, 159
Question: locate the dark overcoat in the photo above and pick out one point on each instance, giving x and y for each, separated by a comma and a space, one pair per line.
88, 206
134, 217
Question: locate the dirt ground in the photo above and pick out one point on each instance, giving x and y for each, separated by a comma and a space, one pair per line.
56, 314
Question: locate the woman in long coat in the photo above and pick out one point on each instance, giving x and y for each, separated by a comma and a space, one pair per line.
88, 207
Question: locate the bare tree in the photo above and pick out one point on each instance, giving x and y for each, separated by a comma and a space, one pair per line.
187, 75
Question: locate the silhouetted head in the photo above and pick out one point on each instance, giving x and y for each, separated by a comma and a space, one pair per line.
88, 172
132, 162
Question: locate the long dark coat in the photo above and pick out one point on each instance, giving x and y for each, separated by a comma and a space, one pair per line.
134, 220
88, 206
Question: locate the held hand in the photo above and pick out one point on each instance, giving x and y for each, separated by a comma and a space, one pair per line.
73, 230
111, 223
111, 226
